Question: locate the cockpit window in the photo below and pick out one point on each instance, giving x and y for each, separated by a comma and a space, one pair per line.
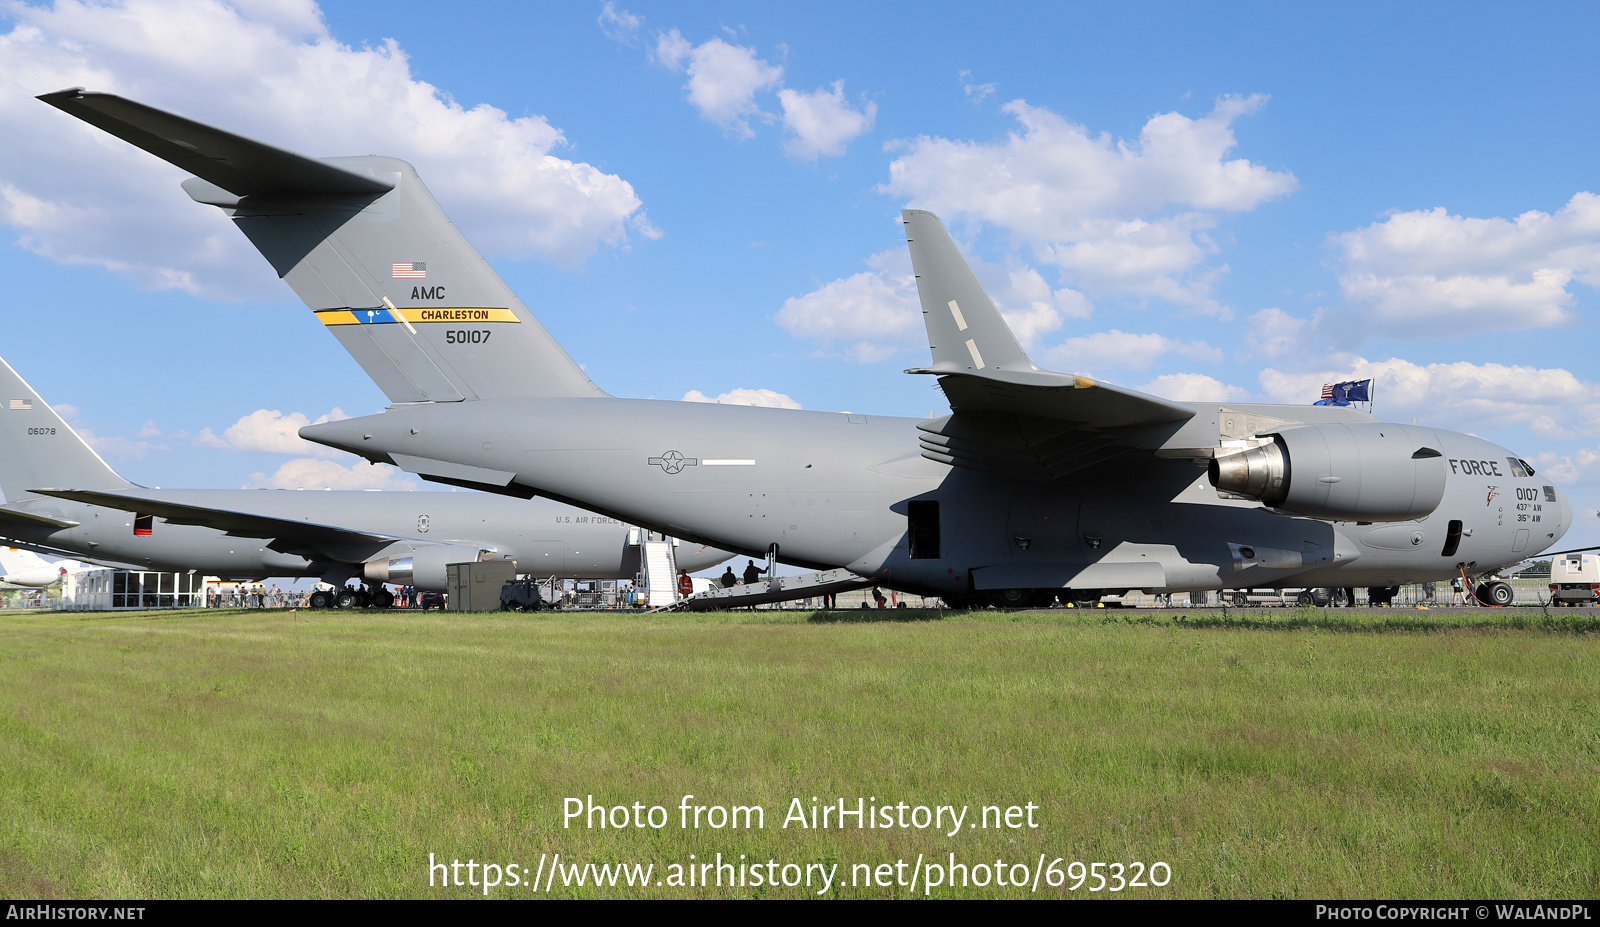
1527, 466
1518, 468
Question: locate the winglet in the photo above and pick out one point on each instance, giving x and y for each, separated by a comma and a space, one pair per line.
241, 166
965, 330
978, 361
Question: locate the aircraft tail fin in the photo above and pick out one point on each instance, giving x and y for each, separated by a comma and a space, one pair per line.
365, 245
965, 330
39, 450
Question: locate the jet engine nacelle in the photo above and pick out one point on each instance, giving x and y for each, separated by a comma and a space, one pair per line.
423, 568
1362, 472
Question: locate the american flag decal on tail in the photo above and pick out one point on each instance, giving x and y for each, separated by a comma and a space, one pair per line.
22, 405
410, 270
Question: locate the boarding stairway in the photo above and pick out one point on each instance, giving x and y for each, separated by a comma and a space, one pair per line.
778, 589
660, 568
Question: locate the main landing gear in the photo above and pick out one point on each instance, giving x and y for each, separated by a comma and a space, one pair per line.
352, 598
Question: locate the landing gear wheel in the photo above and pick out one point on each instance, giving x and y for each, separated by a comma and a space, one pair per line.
320, 599
1084, 599
346, 599
1497, 594
1011, 598
383, 598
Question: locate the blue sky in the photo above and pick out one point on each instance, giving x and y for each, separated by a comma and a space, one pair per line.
1235, 202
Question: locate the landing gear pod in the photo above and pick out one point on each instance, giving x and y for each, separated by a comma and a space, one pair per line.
1362, 472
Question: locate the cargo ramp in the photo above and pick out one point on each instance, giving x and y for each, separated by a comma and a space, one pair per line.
779, 589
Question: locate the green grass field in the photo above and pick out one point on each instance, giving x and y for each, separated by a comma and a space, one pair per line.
1262, 754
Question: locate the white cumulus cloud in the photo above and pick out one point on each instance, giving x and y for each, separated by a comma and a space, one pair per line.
310, 473
1462, 396
270, 70
1116, 215
1193, 386
1122, 349
723, 78
1428, 273
823, 122
272, 431
745, 397
725, 81
876, 313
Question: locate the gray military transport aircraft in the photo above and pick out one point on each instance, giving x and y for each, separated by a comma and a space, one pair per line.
1037, 485
378, 537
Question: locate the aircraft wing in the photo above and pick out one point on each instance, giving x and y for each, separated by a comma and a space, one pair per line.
32, 519
1011, 417
286, 535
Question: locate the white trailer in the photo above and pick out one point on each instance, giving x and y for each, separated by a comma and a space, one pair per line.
1575, 579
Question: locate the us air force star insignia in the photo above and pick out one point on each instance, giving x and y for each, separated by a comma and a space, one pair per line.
673, 462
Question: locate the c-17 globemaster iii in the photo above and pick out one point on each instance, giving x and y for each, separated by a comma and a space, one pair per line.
1037, 485
62, 499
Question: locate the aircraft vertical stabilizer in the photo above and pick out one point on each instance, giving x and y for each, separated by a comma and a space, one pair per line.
366, 246
39, 450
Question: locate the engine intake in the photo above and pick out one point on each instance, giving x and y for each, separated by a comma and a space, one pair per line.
1362, 472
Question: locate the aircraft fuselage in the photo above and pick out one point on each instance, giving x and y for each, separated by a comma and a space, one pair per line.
836, 490
545, 538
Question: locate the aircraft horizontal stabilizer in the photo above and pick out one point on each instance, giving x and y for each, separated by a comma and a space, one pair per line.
241, 166
287, 535
400, 288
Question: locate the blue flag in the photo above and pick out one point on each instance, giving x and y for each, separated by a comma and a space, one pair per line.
1355, 390
1342, 394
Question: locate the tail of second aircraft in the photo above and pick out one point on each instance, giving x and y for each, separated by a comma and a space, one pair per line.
39, 450
366, 246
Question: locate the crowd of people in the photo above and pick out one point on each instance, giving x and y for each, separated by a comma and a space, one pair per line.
252, 595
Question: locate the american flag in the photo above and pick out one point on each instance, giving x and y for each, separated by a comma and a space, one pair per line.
1327, 391
410, 270
22, 405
